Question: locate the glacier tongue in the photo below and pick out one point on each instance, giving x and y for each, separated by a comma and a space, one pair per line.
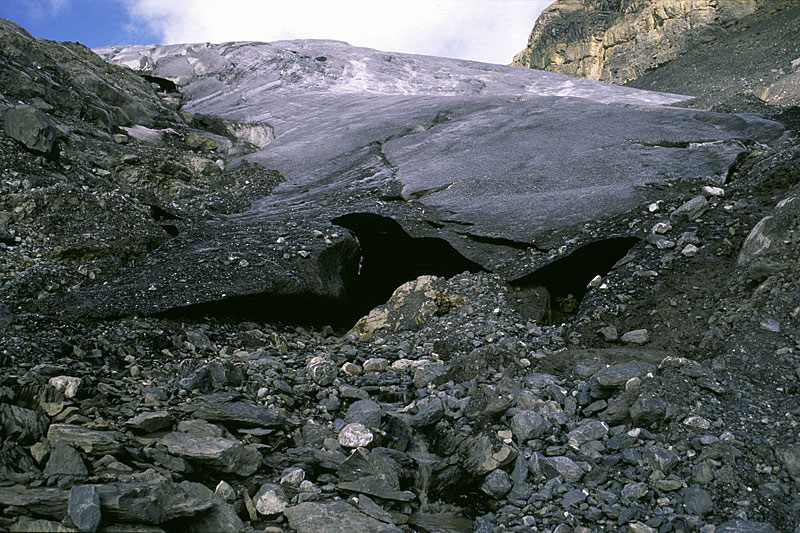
472, 153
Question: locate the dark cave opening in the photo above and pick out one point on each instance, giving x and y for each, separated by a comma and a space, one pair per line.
566, 279
390, 257
168, 86
290, 309
386, 258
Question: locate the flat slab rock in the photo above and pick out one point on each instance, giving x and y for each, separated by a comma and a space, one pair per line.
463, 151
334, 517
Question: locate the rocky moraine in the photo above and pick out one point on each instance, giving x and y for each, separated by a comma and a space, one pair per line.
304, 286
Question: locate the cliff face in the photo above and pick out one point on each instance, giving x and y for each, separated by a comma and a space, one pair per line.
618, 40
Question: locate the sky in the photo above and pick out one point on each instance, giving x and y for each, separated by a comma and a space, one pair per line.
482, 30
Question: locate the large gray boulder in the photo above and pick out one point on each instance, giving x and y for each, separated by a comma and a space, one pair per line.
32, 128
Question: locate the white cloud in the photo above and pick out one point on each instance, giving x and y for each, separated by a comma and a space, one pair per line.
484, 30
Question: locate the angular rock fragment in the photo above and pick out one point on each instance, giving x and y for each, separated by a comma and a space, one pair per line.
69, 385
588, 431
83, 507
334, 517
221, 517
497, 484
152, 503
270, 499
691, 210
365, 412
32, 128
228, 456
410, 306
377, 487
430, 412
239, 414
355, 436
647, 411
91, 441
322, 371
562, 466
65, 460
528, 425
151, 422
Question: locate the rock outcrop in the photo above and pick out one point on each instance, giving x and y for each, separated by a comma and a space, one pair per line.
618, 40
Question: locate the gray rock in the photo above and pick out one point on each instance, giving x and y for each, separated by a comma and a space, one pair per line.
91, 441
243, 414
228, 456
430, 412
151, 422
496, 484
221, 517
573, 497
661, 459
770, 243
355, 436
365, 412
697, 501
201, 428
69, 385
175, 464
199, 340
83, 507
378, 487
609, 333
527, 425
482, 454
647, 411
152, 503
64, 459
790, 457
23, 425
745, 526
607, 380
270, 499
32, 128
47, 502
636, 336
322, 371
562, 466
520, 489
225, 491
487, 401
588, 431
691, 210
333, 517
367, 506
362, 462
25, 524
634, 491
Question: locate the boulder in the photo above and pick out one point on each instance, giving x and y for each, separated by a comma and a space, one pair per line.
228, 456
33, 129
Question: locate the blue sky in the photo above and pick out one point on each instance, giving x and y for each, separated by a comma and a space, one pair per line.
484, 30
91, 22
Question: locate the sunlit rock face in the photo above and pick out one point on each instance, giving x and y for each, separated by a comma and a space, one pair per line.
617, 41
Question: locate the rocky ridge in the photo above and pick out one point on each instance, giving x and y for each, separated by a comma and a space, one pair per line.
652, 390
619, 42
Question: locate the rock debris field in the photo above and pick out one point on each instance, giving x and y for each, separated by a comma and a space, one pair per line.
303, 286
